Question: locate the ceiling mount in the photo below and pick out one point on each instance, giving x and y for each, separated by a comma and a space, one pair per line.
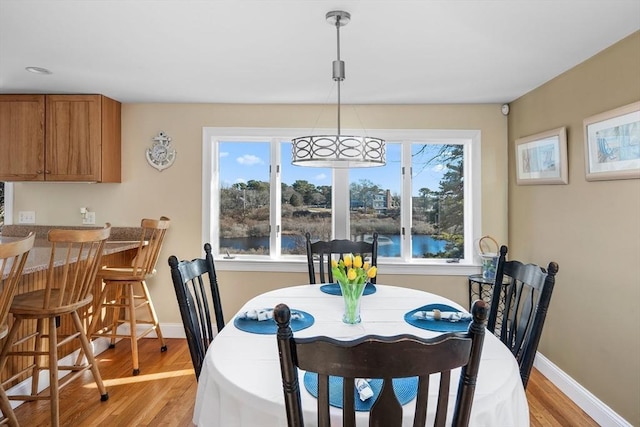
338, 17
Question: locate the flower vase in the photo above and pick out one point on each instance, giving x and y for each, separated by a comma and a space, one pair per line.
351, 294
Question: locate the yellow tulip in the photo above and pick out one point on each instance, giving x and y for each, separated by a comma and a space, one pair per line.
334, 263
351, 274
365, 266
371, 273
348, 260
357, 261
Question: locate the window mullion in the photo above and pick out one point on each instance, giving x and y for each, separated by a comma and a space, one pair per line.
341, 204
275, 194
407, 202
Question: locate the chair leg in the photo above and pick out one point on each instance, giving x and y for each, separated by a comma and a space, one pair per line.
8, 342
54, 391
97, 314
88, 351
5, 404
132, 327
7, 411
154, 317
116, 312
37, 358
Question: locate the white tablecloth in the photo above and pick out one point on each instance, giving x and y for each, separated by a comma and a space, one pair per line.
240, 383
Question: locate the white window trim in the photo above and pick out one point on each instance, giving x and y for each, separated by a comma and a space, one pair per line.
472, 176
8, 203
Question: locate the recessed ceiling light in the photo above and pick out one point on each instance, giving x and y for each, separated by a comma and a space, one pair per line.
38, 70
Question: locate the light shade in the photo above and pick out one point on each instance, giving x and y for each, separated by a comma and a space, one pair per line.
338, 151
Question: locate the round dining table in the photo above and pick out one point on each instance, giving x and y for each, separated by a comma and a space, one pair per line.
240, 384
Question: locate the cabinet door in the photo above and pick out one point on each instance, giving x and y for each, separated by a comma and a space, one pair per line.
73, 138
22, 137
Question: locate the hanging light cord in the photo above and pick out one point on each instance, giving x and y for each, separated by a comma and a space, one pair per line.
338, 68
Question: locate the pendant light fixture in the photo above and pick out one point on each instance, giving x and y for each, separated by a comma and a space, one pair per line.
338, 151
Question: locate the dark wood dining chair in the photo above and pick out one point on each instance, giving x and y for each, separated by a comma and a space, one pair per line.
324, 251
190, 280
13, 256
373, 356
125, 292
527, 295
71, 276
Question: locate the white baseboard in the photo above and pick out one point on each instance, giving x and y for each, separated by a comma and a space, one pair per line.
594, 407
169, 330
24, 387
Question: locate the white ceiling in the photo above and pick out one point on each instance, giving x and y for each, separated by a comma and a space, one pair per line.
259, 51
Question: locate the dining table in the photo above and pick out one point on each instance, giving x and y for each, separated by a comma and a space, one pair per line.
240, 384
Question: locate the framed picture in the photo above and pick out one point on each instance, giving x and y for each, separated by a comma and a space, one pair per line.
542, 158
612, 144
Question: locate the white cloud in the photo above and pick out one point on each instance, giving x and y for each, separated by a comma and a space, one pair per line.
321, 177
249, 160
239, 180
438, 168
224, 153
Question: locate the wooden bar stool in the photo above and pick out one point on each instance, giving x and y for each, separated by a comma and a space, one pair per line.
73, 264
119, 295
13, 256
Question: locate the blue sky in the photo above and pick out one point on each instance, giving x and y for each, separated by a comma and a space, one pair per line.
241, 162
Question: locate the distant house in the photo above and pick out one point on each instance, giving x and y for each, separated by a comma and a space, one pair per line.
380, 202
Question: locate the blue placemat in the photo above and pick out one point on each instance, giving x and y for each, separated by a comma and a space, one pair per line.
334, 289
267, 327
436, 325
405, 389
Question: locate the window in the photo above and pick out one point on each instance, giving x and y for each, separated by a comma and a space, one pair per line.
424, 203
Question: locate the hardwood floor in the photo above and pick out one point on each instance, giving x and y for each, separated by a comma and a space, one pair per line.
162, 395
164, 392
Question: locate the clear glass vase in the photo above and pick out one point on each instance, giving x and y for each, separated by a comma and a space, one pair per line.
351, 295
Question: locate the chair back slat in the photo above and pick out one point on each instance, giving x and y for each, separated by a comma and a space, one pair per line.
400, 356
386, 411
325, 251
73, 265
152, 234
443, 398
422, 401
193, 297
526, 300
13, 256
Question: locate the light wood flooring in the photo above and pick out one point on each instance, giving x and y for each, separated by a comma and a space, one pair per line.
164, 392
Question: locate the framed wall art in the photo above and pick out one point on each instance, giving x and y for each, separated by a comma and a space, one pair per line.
542, 158
612, 144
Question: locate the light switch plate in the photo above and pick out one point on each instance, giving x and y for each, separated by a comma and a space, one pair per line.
26, 217
89, 218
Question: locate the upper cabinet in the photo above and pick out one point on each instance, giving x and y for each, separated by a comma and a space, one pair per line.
59, 138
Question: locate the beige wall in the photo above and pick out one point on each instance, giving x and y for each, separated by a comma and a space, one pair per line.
176, 192
592, 229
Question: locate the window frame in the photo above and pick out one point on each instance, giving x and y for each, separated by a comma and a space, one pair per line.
470, 139
8, 203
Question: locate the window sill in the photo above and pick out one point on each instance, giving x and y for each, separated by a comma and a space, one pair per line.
299, 265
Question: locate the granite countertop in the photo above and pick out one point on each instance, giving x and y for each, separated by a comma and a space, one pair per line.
121, 239
21, 230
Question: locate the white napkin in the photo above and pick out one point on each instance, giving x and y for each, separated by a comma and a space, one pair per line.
364, 389
261, 314
448, 316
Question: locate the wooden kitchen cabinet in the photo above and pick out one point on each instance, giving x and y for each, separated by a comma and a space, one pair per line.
60, 138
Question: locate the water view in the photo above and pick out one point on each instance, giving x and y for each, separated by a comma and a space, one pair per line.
388, 245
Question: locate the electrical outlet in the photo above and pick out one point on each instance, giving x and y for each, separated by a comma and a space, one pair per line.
26, 217
89, 218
